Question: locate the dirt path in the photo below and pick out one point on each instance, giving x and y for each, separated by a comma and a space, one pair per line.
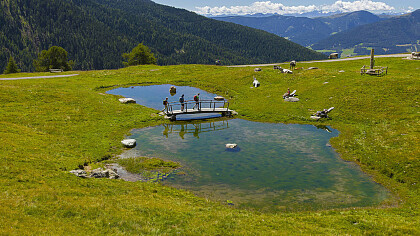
330, 60
40, 77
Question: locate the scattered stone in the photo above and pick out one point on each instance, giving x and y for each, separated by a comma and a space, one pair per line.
79, 173
129, 143
257, 69
313, 68
341, 71
231, 145
291, 99
127, 100
325, 83
219, 98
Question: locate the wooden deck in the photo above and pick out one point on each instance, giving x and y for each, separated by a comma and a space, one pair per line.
204, 106
195, 111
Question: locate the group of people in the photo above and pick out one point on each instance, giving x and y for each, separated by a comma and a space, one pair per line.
182, 101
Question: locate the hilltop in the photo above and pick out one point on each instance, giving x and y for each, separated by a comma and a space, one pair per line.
96, 32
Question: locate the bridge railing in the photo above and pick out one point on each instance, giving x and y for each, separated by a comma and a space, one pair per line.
191, 105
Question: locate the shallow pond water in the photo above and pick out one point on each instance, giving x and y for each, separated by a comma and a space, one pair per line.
275, 167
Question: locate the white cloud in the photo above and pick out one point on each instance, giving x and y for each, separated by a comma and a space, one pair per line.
269, 7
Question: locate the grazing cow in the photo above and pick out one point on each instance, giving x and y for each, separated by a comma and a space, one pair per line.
292, 65
218, 63
333, 56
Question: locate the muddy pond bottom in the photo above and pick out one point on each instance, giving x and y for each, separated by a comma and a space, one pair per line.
275, 167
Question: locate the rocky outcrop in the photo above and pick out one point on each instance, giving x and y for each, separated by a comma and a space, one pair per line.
96, 173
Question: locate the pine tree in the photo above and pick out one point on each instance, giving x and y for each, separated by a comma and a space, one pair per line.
11, 67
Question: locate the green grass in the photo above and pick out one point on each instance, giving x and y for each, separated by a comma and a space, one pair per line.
51, 126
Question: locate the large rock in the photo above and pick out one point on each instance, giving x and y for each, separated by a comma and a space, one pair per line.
129, 143
291, 99
127, 100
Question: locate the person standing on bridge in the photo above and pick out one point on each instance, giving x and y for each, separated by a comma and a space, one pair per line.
182, 100
197, 101
165, 103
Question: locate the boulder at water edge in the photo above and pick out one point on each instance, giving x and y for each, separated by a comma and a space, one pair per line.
129, 143
127, 100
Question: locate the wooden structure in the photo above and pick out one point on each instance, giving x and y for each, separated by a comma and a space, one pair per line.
192, 107
373, 70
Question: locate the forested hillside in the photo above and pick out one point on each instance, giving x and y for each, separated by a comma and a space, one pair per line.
303, 30
96, 32
394, 35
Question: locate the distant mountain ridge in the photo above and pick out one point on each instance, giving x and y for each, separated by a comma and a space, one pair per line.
393, 35
96, 32
303, 30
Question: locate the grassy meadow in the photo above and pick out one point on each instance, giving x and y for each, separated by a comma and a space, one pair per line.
51, 126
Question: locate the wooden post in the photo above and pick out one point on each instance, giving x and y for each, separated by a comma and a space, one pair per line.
372, 58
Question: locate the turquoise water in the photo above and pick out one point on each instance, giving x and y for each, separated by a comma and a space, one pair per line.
275, 167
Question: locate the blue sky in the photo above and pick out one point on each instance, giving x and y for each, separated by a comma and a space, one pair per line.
215, 7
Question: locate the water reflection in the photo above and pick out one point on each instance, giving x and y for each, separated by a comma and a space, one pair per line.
194, 128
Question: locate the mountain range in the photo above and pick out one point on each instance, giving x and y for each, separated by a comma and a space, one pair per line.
303, 30
393, 35
95, 33
353, 33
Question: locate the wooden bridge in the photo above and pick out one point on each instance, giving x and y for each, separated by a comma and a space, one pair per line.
192, 107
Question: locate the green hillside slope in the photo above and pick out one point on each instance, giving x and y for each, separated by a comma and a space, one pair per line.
97, 32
